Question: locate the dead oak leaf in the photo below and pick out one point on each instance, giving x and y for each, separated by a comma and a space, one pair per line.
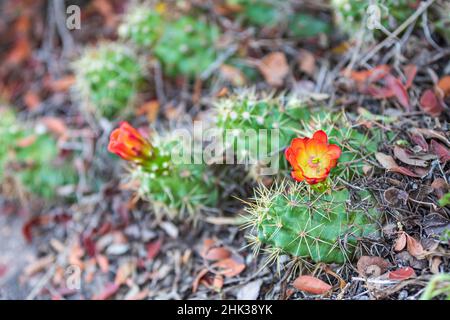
274, 68
229, 267
312, 285
402, 274
371, 266
389, 164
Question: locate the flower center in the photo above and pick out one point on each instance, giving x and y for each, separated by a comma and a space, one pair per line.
314, 161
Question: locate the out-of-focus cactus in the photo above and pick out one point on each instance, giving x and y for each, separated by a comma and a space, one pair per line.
174, 188
324, 227
29, 160
108, 77
185, 45
143, 25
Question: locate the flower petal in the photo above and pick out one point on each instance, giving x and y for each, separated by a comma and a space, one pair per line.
321, 136
334, 152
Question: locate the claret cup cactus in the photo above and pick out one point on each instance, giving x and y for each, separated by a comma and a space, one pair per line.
108, 77
173, 189
313, 216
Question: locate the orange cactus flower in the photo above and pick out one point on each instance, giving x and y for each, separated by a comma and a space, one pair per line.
129, 144
312, 158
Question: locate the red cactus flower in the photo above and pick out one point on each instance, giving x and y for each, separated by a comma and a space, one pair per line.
129, 144
312, 158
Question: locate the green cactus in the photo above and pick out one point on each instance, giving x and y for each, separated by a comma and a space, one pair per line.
142, 25
184, 45
175, 189
108, 77
324, 227
35, 166
351, 14
293, 119
260, 13
187, 46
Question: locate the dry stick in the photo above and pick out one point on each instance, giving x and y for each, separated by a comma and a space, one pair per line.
403, 26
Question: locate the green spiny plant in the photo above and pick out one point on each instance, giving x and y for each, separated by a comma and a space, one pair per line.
187, 46
325, 227
259, 13
143, 25
184, 45
108, 77
292, 118
29, 160
439, 285
351, 14
174, 186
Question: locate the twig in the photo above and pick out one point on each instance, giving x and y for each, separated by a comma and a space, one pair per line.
403, 26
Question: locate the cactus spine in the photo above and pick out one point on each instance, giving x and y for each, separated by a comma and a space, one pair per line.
175, 189
107, 77
324, 227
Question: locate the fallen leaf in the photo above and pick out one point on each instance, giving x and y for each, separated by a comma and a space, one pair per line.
395, 196
419, 140
198, 278
399, 91
274, 68
400, 243
430, 133
62, 84
312, 285
124, 272
371, 75
102, 262
307, 62
440, 187
109, 290
38, 265
410, 73
440, 150
219, 253
407, 157
20, 52
150, 109
27, 141
371, 266
444, 85
153, 249
402, 274
233, 75
55, 125
431, 104
32, 100
414, 247
229, 267
217, 283
250, 291
389, 163
3, 269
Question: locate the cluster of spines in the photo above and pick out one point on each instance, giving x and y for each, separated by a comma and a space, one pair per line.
108, 77
183, 44
290, 218
173, 189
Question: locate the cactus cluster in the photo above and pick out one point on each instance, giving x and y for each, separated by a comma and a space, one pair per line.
29, 160
184, 45
175, 189
108, 77
324, 227
351, 14
293, 118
